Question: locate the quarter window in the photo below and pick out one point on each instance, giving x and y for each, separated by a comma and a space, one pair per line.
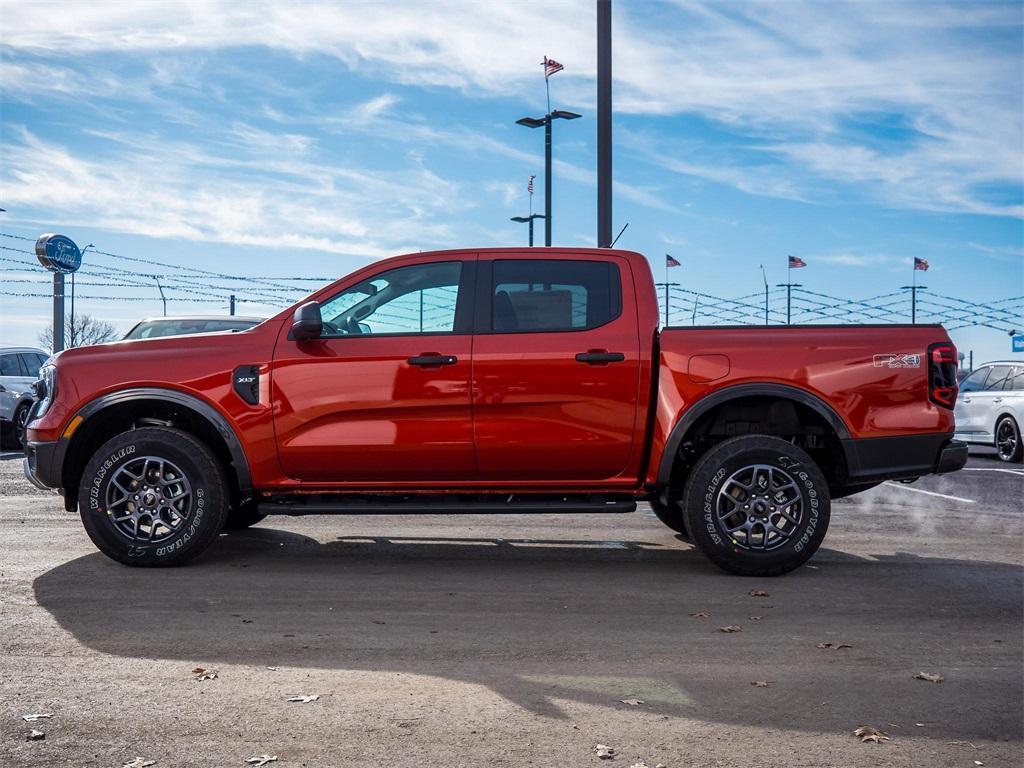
998, 378
421, 298
553, 295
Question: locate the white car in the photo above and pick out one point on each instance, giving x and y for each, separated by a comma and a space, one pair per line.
19, 369
990, 408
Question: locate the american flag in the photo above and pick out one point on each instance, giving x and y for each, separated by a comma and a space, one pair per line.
529, 184
550, 67
671, 262
921, 264
795, 262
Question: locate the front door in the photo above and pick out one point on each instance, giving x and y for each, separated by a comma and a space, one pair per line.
556, 369
383, 395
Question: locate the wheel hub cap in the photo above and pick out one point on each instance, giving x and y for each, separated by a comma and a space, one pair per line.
759, 507
149, 498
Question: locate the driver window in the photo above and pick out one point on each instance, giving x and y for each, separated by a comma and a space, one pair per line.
408, 300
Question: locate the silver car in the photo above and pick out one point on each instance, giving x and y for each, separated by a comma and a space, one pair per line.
990, 408
19, 369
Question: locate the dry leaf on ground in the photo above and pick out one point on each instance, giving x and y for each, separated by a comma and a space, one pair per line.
272, 669
36, 735
139, 762
35, 716
641, 764
633, 702
834, 646
931, 677
730, 628
204, 674
699, 615
758, 593
867, 733
261, 760
759, 683
604, 751
755, 618
304, 699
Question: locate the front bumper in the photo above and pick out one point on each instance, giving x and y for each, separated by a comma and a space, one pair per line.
43, 463
907, 457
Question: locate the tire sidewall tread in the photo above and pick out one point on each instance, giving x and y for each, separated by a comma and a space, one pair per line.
704, 483
208, 485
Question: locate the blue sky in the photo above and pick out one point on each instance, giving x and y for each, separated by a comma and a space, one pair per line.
275, 138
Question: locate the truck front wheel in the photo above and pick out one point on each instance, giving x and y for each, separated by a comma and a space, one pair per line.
757, 505
153, 496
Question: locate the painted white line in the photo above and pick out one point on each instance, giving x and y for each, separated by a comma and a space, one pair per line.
930, 493
1018, 472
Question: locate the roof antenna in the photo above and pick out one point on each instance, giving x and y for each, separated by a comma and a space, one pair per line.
619, 235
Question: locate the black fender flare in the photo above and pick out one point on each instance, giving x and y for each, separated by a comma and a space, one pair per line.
203, 408
735, 392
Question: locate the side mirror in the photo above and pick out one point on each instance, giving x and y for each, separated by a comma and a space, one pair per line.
306, 322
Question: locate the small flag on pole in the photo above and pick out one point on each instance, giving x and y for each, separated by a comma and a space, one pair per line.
795, 262
671, 262
551, 67
529, 185
921, 264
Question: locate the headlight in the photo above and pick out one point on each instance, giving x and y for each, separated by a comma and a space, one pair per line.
46, 389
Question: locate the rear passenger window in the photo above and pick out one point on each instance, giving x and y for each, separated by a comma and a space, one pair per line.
998, 378
10, 366
30, 365
564, 295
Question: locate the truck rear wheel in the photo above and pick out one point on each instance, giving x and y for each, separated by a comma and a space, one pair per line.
153, 496
757, 505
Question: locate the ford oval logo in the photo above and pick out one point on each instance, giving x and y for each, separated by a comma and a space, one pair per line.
58, 254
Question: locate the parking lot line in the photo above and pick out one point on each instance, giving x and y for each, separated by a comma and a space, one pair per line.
1018, 472
930, 493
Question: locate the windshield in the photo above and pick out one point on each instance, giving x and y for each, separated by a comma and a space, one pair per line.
183, 326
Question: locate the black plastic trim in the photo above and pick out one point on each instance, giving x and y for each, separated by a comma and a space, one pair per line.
204, 409
41, 460
413, 506
708, 402
903, 457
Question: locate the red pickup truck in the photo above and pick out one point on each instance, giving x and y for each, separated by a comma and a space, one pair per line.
492, 380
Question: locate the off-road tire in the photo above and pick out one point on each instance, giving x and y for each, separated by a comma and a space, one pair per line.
671, 515
1006, 427
243, 516
203, 519
701, 499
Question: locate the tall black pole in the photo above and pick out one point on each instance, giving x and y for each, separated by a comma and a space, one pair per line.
58, 312
913, 300
666, 303
547, 179
789, 301
604, 123
531, 231
232, 310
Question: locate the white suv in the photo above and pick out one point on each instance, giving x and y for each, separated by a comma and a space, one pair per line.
990, 408
19, 368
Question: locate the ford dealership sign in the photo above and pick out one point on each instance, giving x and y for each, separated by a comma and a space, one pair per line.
58, 254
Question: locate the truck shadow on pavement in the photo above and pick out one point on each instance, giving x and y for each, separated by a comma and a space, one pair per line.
547, 624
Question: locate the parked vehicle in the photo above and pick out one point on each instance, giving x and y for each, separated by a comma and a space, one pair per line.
19, 369
500, 380
990, 409
155, 327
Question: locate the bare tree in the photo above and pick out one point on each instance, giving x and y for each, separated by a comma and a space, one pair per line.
85, 331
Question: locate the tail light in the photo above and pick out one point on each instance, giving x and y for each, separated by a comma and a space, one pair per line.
942, 384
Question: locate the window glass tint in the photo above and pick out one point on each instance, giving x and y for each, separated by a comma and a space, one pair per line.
30, 364
407, 300
10, 366
531, 295
975, 381
1017, 382
997, 378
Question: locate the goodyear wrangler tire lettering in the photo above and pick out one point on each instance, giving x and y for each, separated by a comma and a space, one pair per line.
153, 496
757, 505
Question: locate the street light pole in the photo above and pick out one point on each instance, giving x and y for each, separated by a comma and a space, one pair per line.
789, 297
537, 122
529, 220
913, 300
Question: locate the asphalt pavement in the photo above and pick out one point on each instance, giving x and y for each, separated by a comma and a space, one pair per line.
516, 640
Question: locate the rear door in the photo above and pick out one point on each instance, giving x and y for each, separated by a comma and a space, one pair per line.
383, 395
556, 368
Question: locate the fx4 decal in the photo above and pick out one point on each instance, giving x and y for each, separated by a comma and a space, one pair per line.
897, 360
